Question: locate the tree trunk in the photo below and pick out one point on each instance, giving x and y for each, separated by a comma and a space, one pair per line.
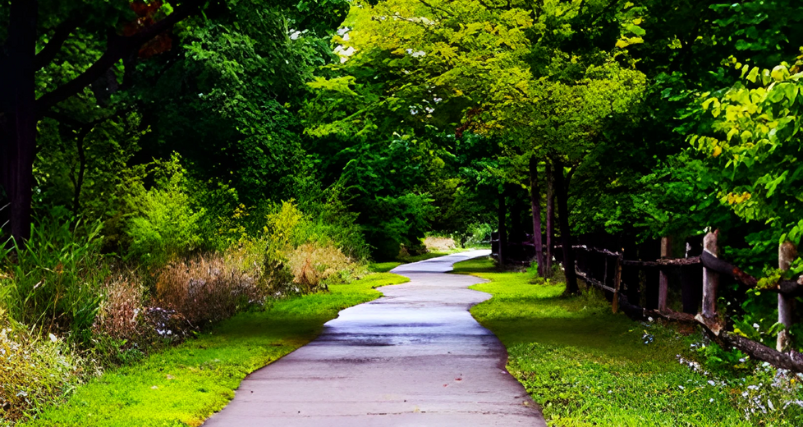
550, 219
502, 214
79, 179
562, 191
535, 203
18, 117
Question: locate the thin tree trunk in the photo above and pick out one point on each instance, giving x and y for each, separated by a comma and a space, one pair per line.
502, 213
565, 232
18, 116
79, 180
550, 219
535, 203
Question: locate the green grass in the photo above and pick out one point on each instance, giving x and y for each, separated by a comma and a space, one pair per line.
185, 384
383, 267
587, 366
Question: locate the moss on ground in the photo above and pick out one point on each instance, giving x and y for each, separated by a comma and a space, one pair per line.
589, 367
186, 384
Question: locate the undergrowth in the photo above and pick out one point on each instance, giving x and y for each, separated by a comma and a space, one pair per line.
185, 384
587, 366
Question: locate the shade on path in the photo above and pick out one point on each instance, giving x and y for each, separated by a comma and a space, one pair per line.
414, 357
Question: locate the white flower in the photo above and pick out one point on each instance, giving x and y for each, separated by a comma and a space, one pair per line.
711, 400
52, 338
756, 326
712, 383
681, 387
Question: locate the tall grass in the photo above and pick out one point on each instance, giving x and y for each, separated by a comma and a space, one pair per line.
52, 282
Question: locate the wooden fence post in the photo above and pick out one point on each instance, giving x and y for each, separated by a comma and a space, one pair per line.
663, 280
710, 278
617, 281
786, 254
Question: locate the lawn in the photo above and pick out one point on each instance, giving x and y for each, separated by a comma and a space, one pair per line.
589, 367
184, 385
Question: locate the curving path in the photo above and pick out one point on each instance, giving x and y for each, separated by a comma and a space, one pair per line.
414, 357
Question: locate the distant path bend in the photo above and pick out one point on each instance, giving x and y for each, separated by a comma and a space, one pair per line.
414, 357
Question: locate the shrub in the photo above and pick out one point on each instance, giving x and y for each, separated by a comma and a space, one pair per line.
206, 289
165, 225
314, 266
439, 243
398, 221
34, 372
120, 313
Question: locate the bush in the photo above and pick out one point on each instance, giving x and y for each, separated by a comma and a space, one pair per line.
34, 372
478, 234
314, 266
120, 313
165, 225
206, 289
398, 221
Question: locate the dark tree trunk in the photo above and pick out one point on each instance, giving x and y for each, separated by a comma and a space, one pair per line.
502, 214
18, 116
19, 108
516, 230
79, 179
535, 203
550, 219
562, 191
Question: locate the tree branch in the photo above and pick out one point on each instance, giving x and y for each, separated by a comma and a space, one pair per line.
433, 7
604, 11
118, 48
49, 52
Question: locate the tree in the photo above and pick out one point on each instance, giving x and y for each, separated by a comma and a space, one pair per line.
21, 109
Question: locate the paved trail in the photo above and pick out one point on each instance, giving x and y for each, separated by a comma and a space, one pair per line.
414, 357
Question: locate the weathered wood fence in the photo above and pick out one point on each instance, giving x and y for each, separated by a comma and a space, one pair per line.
712, 320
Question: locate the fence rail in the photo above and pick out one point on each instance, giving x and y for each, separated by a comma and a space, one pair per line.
708, 318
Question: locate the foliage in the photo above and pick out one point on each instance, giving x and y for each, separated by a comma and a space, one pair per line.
752, 148
207, 289
52, 283
165, 224
315, 267
187, 383
35, 371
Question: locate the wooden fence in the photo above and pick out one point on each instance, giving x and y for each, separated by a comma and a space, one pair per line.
708, 317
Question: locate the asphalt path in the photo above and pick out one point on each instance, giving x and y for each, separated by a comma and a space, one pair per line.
414, 357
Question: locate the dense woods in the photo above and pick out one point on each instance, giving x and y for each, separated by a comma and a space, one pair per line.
271, 148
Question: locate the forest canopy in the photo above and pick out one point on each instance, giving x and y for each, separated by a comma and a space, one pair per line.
139, 135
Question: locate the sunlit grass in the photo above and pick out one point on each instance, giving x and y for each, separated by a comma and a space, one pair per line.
589, 367
184, 385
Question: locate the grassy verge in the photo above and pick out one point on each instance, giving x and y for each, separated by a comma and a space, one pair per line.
586, 366
383, 267
184, 385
